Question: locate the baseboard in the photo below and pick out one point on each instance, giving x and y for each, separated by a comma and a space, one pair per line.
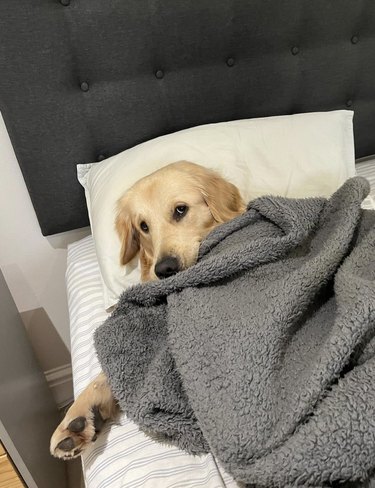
60, 381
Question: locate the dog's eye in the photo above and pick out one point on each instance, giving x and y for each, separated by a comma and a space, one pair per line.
180, 211
144, 226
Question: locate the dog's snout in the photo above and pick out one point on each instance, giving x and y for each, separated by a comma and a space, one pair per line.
166, 267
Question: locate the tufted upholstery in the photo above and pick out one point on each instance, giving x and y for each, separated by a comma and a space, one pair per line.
81, 80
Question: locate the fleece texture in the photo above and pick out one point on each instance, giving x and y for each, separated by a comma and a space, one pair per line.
264, 351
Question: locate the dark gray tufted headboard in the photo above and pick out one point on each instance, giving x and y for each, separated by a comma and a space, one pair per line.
81, 80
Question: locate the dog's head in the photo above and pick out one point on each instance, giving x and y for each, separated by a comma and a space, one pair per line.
165, 216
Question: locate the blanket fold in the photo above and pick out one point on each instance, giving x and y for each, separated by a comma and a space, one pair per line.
264, 351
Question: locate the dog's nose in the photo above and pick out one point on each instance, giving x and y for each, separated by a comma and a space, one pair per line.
167, 267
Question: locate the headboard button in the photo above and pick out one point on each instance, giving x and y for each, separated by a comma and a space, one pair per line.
84, 86
349, 103
230, 62
159, 74
100, 157
65, 2
295, 50
354, 39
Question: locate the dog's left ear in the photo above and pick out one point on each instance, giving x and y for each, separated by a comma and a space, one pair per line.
221, 196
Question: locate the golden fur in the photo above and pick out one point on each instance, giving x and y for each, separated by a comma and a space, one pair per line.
210, 200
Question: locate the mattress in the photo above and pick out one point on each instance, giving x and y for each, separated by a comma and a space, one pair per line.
123, 456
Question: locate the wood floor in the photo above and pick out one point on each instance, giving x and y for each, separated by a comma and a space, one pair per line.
8, 475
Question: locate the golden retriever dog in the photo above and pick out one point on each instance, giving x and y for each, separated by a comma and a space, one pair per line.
163, 218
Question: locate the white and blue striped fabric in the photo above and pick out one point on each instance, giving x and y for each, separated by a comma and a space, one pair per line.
123, 456
366, 168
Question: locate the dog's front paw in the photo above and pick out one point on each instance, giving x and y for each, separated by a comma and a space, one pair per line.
75, 433
84, 420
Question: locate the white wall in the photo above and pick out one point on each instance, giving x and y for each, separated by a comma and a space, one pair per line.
33, 265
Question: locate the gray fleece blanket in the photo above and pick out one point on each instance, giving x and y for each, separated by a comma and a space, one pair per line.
263, 352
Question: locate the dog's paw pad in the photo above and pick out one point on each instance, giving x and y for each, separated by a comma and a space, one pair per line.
72, 437
66, 444
77, 425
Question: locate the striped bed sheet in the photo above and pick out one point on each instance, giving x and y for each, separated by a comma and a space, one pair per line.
123, 456
366, 168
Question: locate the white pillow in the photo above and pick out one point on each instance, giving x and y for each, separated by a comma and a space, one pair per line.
295, 155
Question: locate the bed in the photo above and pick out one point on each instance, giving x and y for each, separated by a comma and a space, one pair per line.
85, 80
124, 456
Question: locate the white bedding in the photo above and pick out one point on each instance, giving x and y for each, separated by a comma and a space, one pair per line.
123, 456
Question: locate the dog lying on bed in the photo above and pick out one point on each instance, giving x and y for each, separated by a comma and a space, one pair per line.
163, 218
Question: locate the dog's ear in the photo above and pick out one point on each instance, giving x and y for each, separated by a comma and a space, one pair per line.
127, 234
221, 196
